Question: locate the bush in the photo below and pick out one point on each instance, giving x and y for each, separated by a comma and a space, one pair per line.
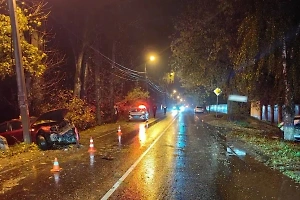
80, 113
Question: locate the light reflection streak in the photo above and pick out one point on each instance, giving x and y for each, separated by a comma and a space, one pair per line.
174, 112
150, 167
180, 154
56, 177
120, 139
92, 159
142, 134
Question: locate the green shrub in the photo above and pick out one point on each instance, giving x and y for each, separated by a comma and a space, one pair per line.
80, 113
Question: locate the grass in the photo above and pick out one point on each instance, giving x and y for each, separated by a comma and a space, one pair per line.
265, 139
19, 149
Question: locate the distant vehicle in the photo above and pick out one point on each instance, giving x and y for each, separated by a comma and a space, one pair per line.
176, 108
296, 126
46, 131
199, 109
139, 113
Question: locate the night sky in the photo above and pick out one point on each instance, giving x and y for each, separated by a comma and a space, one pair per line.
146, 27
149, 25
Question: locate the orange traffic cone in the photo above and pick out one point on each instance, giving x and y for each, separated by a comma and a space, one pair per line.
56, 167
92, 148
119, 131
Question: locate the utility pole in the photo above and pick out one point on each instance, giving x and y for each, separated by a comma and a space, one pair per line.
146, 78
112, 91
22, 94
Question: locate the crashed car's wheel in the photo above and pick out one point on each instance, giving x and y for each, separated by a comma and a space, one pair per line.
41, 142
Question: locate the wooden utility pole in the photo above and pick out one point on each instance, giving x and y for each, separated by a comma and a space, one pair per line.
22, 94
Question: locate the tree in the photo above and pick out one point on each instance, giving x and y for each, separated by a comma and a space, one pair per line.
38, 61
33, 57
268, 40
136, 96
201, 46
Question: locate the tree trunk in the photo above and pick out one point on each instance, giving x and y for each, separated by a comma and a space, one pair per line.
261, 111
272, 114
85, 80
98, 94
279, 113
288, 101
266, 113
77, 79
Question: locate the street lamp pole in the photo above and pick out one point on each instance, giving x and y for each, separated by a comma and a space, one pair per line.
151, 58
146, 78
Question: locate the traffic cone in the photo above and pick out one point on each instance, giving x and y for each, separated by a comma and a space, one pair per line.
119, 131
92, 148
56, 167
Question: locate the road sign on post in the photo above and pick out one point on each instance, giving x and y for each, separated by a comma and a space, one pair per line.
217, 91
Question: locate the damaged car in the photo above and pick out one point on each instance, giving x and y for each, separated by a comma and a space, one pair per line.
47, 131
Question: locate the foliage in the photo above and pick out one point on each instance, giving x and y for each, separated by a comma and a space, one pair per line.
135, 95
200, 47
239, 48
80, 113
19, 149
33, 58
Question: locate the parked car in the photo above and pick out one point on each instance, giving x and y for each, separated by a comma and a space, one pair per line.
139, 113
296, 126
48, 130
199, 109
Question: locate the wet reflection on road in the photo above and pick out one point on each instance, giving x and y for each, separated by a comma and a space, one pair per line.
92, 159
56, 177
180, 160
142, 134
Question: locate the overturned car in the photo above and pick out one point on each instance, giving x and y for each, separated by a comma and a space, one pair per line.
47, 131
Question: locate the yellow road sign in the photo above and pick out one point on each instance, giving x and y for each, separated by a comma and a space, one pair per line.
217, 91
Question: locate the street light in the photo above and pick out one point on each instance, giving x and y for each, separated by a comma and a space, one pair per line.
151, 58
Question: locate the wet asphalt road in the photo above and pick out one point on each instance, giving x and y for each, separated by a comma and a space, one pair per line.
179, 157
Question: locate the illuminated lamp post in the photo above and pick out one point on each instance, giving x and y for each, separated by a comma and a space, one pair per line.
151, 58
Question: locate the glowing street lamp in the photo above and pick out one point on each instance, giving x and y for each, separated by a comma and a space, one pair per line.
151, 58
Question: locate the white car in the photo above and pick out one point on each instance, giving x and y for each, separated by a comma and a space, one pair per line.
296, 125
199, 109
139, 113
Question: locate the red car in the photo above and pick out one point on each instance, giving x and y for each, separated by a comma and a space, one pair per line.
48, 130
